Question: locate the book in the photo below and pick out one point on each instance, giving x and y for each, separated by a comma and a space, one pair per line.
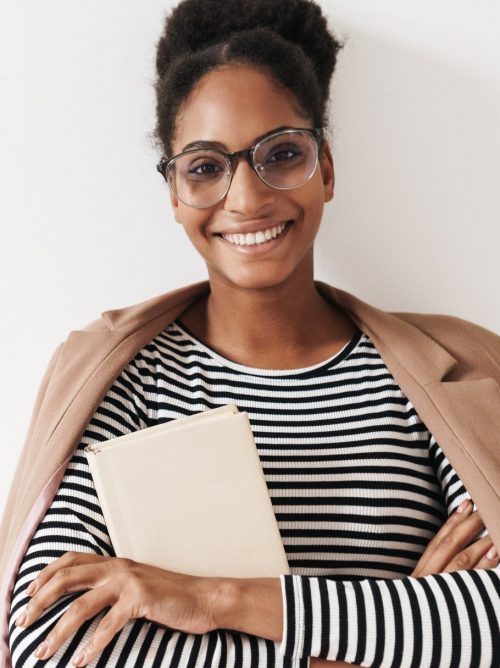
189, 496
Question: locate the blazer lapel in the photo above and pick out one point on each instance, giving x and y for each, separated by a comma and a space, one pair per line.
399, 342
82, 353
472, 411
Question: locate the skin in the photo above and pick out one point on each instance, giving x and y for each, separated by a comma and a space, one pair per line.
257, 302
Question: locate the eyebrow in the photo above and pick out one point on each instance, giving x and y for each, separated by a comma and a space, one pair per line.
201, 143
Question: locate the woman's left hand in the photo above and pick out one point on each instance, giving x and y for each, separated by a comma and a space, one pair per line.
456, 546
131, 590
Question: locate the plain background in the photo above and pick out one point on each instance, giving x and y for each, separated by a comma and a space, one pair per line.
85, 220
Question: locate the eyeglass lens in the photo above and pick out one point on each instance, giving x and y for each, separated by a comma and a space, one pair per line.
286, 160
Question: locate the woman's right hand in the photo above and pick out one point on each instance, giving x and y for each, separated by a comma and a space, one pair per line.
451, 548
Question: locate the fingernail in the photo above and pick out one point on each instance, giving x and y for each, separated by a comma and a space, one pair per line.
31, 588
21, 619
463, 506
492, 553
41, 650
79, 659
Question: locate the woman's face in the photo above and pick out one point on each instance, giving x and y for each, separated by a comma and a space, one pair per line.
233, 106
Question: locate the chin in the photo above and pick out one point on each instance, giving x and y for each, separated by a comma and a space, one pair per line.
257, 279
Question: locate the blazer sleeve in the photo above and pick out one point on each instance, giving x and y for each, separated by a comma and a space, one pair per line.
17, 484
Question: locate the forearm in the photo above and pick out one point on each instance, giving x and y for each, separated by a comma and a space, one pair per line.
255, 606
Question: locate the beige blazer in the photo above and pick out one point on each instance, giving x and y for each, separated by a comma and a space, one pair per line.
447, 367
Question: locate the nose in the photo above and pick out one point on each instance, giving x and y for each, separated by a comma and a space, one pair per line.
247, 194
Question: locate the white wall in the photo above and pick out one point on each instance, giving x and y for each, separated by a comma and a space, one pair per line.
85, 223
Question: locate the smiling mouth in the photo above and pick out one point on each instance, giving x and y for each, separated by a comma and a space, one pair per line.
256, 238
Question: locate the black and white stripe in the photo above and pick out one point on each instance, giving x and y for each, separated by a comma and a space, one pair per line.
358, 486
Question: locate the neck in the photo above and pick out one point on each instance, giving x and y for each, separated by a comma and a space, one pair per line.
285, 326
263, 317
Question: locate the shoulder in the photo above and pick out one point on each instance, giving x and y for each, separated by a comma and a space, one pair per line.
139, 315
471, 344
449, 327
446, 324
129, 319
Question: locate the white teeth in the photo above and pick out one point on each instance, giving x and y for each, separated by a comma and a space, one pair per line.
252, 238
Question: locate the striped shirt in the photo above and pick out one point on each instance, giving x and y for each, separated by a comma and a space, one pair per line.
358, 486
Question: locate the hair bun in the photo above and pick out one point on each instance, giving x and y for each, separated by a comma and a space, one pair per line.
197, 24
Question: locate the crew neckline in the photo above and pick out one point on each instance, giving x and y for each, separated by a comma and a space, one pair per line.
333, 360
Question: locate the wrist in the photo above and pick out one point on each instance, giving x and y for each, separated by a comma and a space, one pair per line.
249, 605
224, 593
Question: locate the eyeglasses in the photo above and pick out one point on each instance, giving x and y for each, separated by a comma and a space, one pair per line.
283, 159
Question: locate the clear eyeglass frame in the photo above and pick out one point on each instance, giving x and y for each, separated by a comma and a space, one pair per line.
166, 164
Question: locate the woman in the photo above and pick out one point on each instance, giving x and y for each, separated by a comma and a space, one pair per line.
350, 443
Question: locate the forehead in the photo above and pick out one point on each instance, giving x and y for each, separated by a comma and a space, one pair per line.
233, 105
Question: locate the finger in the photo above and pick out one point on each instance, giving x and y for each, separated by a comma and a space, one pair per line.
433, 553
464, 526
455, 535
461, 515
68, 559
64, 581
469, 558
469, 529
85, 607
489, 560
112, 622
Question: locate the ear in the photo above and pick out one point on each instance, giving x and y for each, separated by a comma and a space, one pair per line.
174, 202
327, 170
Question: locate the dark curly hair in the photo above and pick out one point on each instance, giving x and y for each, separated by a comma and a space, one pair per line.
288, 39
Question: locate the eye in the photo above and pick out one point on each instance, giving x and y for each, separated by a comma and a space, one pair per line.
203, 168
283, 153
196, 166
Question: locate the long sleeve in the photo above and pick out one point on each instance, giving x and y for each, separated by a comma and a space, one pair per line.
445, 620
74, 521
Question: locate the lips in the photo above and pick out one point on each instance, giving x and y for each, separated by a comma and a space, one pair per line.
246, 236
257, 242
259, 237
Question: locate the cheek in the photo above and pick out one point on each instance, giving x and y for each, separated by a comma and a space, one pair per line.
195, 223
192, 220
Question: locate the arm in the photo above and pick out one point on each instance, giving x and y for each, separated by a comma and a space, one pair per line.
450, 618
74, 522
135, 595
197, 605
